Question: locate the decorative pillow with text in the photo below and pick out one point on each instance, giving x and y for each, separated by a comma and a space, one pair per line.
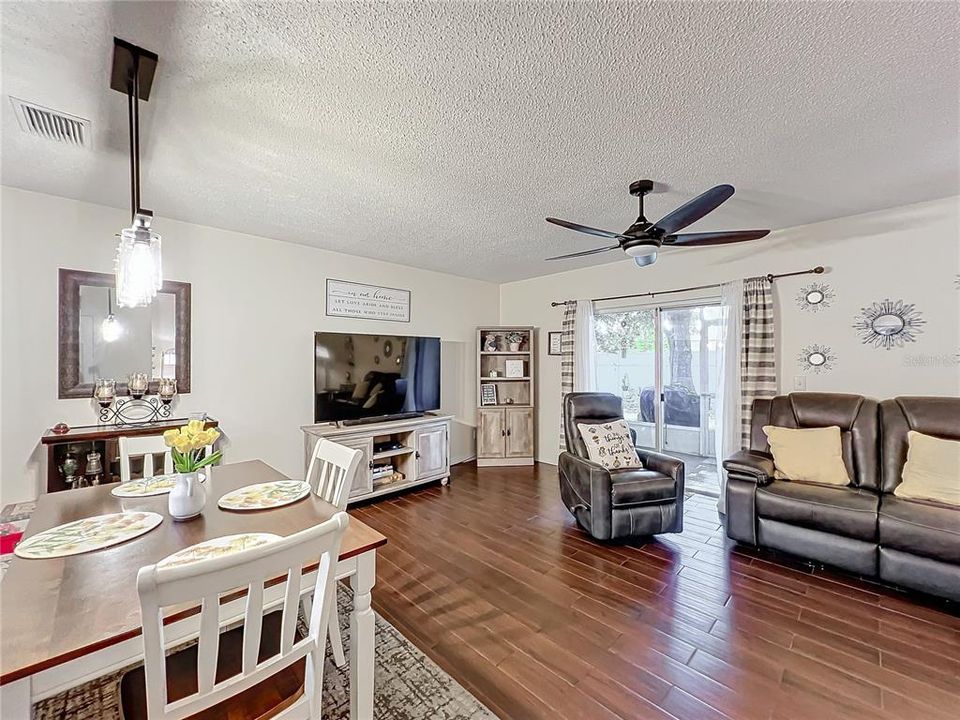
610, 444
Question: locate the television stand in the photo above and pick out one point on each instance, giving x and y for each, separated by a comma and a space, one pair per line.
380, 418
413, 449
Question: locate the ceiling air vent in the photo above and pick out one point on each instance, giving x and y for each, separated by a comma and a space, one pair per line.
51, 124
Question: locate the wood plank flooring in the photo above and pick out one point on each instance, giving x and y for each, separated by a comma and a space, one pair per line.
492, 579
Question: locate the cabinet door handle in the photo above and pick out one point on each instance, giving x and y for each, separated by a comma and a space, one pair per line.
370, 464
503, 433
418, 454
508, 432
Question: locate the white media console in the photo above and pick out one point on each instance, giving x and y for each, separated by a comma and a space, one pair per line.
397, 454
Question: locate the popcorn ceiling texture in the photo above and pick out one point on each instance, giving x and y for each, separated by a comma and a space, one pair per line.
439, 135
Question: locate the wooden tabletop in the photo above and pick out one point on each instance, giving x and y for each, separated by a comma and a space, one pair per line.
55, 610
86, 433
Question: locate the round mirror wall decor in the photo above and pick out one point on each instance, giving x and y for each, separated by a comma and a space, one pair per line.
815, 297
816, 358
889, 324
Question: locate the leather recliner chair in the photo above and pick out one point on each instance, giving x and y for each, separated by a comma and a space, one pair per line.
833, 525
919, 540
616, 504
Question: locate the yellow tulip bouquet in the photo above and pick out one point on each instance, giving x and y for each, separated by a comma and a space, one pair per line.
187, 444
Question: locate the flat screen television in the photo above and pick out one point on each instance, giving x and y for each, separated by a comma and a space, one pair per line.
359, 377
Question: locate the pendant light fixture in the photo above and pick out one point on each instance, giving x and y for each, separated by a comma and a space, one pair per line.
138, 266
110, 328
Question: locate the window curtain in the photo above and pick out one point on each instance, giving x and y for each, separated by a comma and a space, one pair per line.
578, 363
727, 411
584, 357
566, 359
758, 357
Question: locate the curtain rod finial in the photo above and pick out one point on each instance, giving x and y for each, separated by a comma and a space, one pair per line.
819, 270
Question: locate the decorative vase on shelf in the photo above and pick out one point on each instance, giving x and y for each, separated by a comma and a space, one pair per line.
187, 498
514, 341
187, 447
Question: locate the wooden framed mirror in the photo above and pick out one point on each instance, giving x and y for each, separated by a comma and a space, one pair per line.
153, 339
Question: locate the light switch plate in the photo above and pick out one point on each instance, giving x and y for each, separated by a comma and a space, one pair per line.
799, 382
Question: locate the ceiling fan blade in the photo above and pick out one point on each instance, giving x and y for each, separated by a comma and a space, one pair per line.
713, 238
585, 252
691, 211
583, 228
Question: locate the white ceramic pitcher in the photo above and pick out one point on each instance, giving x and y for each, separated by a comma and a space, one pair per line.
188, 496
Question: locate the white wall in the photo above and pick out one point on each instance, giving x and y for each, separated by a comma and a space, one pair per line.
910, 253
256, 304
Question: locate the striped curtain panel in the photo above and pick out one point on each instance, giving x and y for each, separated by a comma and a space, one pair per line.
758, 359
566, 359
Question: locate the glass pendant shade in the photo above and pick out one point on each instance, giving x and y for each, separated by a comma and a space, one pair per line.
139, 271
110, 328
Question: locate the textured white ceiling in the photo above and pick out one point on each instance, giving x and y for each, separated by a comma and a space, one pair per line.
439, 135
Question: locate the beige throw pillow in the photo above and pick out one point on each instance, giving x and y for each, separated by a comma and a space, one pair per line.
610, 444
932, 470
807, 455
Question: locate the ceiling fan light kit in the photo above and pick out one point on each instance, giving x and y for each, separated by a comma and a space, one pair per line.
643, 239
138, 263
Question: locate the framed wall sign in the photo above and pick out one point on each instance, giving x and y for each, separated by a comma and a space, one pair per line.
367, 302
513, 368
488, 394
553, 343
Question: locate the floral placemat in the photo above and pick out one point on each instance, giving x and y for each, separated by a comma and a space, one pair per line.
217, 547
93, 533
144, 487
263, 496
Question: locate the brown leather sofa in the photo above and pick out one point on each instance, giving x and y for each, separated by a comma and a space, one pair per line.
616, 504
862, 528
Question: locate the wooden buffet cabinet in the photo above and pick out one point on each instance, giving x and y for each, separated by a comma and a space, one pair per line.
103, 439
422, 454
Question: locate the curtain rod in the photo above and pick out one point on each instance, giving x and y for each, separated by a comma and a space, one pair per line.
770, 276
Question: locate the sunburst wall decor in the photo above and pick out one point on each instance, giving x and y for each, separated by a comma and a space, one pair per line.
889, 324
815, 297
816, 358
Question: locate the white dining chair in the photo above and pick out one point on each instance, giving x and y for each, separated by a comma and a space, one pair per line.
145, 446
267, 648
331, 472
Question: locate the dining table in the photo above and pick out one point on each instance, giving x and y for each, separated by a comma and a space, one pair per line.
68, 620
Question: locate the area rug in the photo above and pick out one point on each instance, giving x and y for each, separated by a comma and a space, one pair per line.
409, 686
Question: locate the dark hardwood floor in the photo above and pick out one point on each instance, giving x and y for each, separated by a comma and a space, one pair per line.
492, 579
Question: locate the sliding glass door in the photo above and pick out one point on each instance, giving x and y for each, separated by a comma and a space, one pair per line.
663, 360
627, 366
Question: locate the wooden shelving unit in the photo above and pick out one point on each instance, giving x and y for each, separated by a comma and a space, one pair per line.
506, 427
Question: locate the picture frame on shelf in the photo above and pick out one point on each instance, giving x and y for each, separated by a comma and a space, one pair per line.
553, 343
514, 369
488, 394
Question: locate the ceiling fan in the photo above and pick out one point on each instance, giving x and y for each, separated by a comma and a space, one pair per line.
643, 239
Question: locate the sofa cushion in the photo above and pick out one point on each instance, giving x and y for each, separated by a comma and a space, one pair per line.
636, 486
845, 511
610, 444
807, 455
920, 528
932, 470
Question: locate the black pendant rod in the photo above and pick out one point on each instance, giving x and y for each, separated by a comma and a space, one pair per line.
132, 72
133, 160
770, 276
135, 87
